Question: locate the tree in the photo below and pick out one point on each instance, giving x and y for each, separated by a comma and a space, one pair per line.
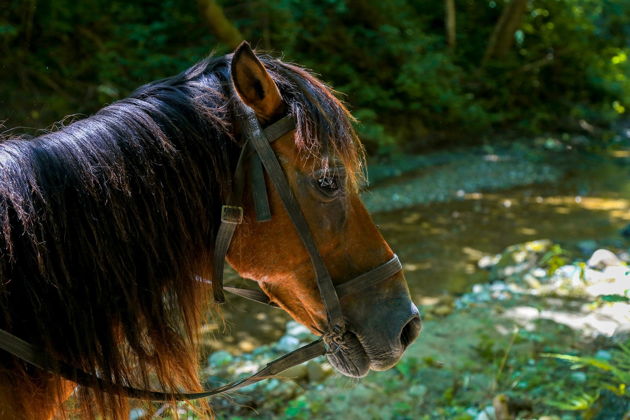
502, 36
219, 24
450, 23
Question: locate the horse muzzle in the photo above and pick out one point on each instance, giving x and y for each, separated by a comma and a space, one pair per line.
378, 342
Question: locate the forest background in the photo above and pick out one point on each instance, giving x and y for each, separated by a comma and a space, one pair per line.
416, 74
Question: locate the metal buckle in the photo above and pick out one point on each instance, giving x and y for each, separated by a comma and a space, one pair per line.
332, 348
334, 339
232, 214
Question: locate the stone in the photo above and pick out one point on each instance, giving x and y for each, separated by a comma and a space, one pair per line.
488, 261
298, 331
137, 414
603, 258
315, 372
442, 310
220, 358
288, 343
486, 414
417, 390
296, 373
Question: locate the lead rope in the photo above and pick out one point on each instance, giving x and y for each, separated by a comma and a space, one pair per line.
38, 358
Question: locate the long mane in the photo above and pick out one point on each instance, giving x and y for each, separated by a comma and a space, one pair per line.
105, 223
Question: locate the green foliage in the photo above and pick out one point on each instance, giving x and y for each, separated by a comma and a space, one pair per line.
555, 258
614, 298
390, 60
612, 375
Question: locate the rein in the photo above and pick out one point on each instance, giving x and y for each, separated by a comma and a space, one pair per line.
258, 153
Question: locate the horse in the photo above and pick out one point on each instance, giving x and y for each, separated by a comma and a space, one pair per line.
107, 224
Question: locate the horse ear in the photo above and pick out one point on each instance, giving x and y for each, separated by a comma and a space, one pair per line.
254, 84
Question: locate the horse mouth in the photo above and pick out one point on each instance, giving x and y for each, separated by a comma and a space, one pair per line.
354, 355
349, 357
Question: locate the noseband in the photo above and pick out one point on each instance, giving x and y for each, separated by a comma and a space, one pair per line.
257, 150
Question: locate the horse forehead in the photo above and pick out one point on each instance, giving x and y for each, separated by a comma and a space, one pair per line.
304, 160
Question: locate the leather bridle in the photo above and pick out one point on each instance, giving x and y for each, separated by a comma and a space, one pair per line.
258, 152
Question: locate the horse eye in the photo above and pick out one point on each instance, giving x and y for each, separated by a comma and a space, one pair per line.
328, 183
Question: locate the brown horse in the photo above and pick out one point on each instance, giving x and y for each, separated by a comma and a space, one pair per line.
107, 222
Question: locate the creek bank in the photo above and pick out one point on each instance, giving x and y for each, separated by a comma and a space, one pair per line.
403, 181
479, 355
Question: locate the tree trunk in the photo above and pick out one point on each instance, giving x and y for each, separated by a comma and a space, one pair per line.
450, 24
219, 24
502, 37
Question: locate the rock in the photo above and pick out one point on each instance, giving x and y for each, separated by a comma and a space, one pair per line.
488, 261
137, 414
531, 281
518, 259
288, 343
328, 369
417, 391
315, 372
442, 310
247, 367
298, 331
486, 414
622, 333
578, 377
603, 355
296, 373
220, 359
603, 258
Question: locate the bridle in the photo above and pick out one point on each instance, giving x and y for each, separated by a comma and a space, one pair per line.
257, 151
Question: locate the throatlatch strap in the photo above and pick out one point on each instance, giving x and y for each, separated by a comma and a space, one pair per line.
36, 357
257, 139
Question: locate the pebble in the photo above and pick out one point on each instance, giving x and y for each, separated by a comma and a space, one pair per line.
315, 372
469, 174
486, 414
603, 258
442, 310
137, 414
296, 373
288, 343
220, 358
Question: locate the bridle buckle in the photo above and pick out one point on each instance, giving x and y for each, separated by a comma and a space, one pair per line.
232, 214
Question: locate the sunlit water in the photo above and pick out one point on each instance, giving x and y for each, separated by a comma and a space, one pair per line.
441, 243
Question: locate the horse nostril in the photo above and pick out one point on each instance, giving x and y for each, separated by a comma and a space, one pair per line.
410, 331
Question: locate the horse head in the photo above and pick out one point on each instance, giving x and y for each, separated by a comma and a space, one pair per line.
381, 320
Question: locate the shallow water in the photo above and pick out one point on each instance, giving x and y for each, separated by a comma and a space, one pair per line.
440, 243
